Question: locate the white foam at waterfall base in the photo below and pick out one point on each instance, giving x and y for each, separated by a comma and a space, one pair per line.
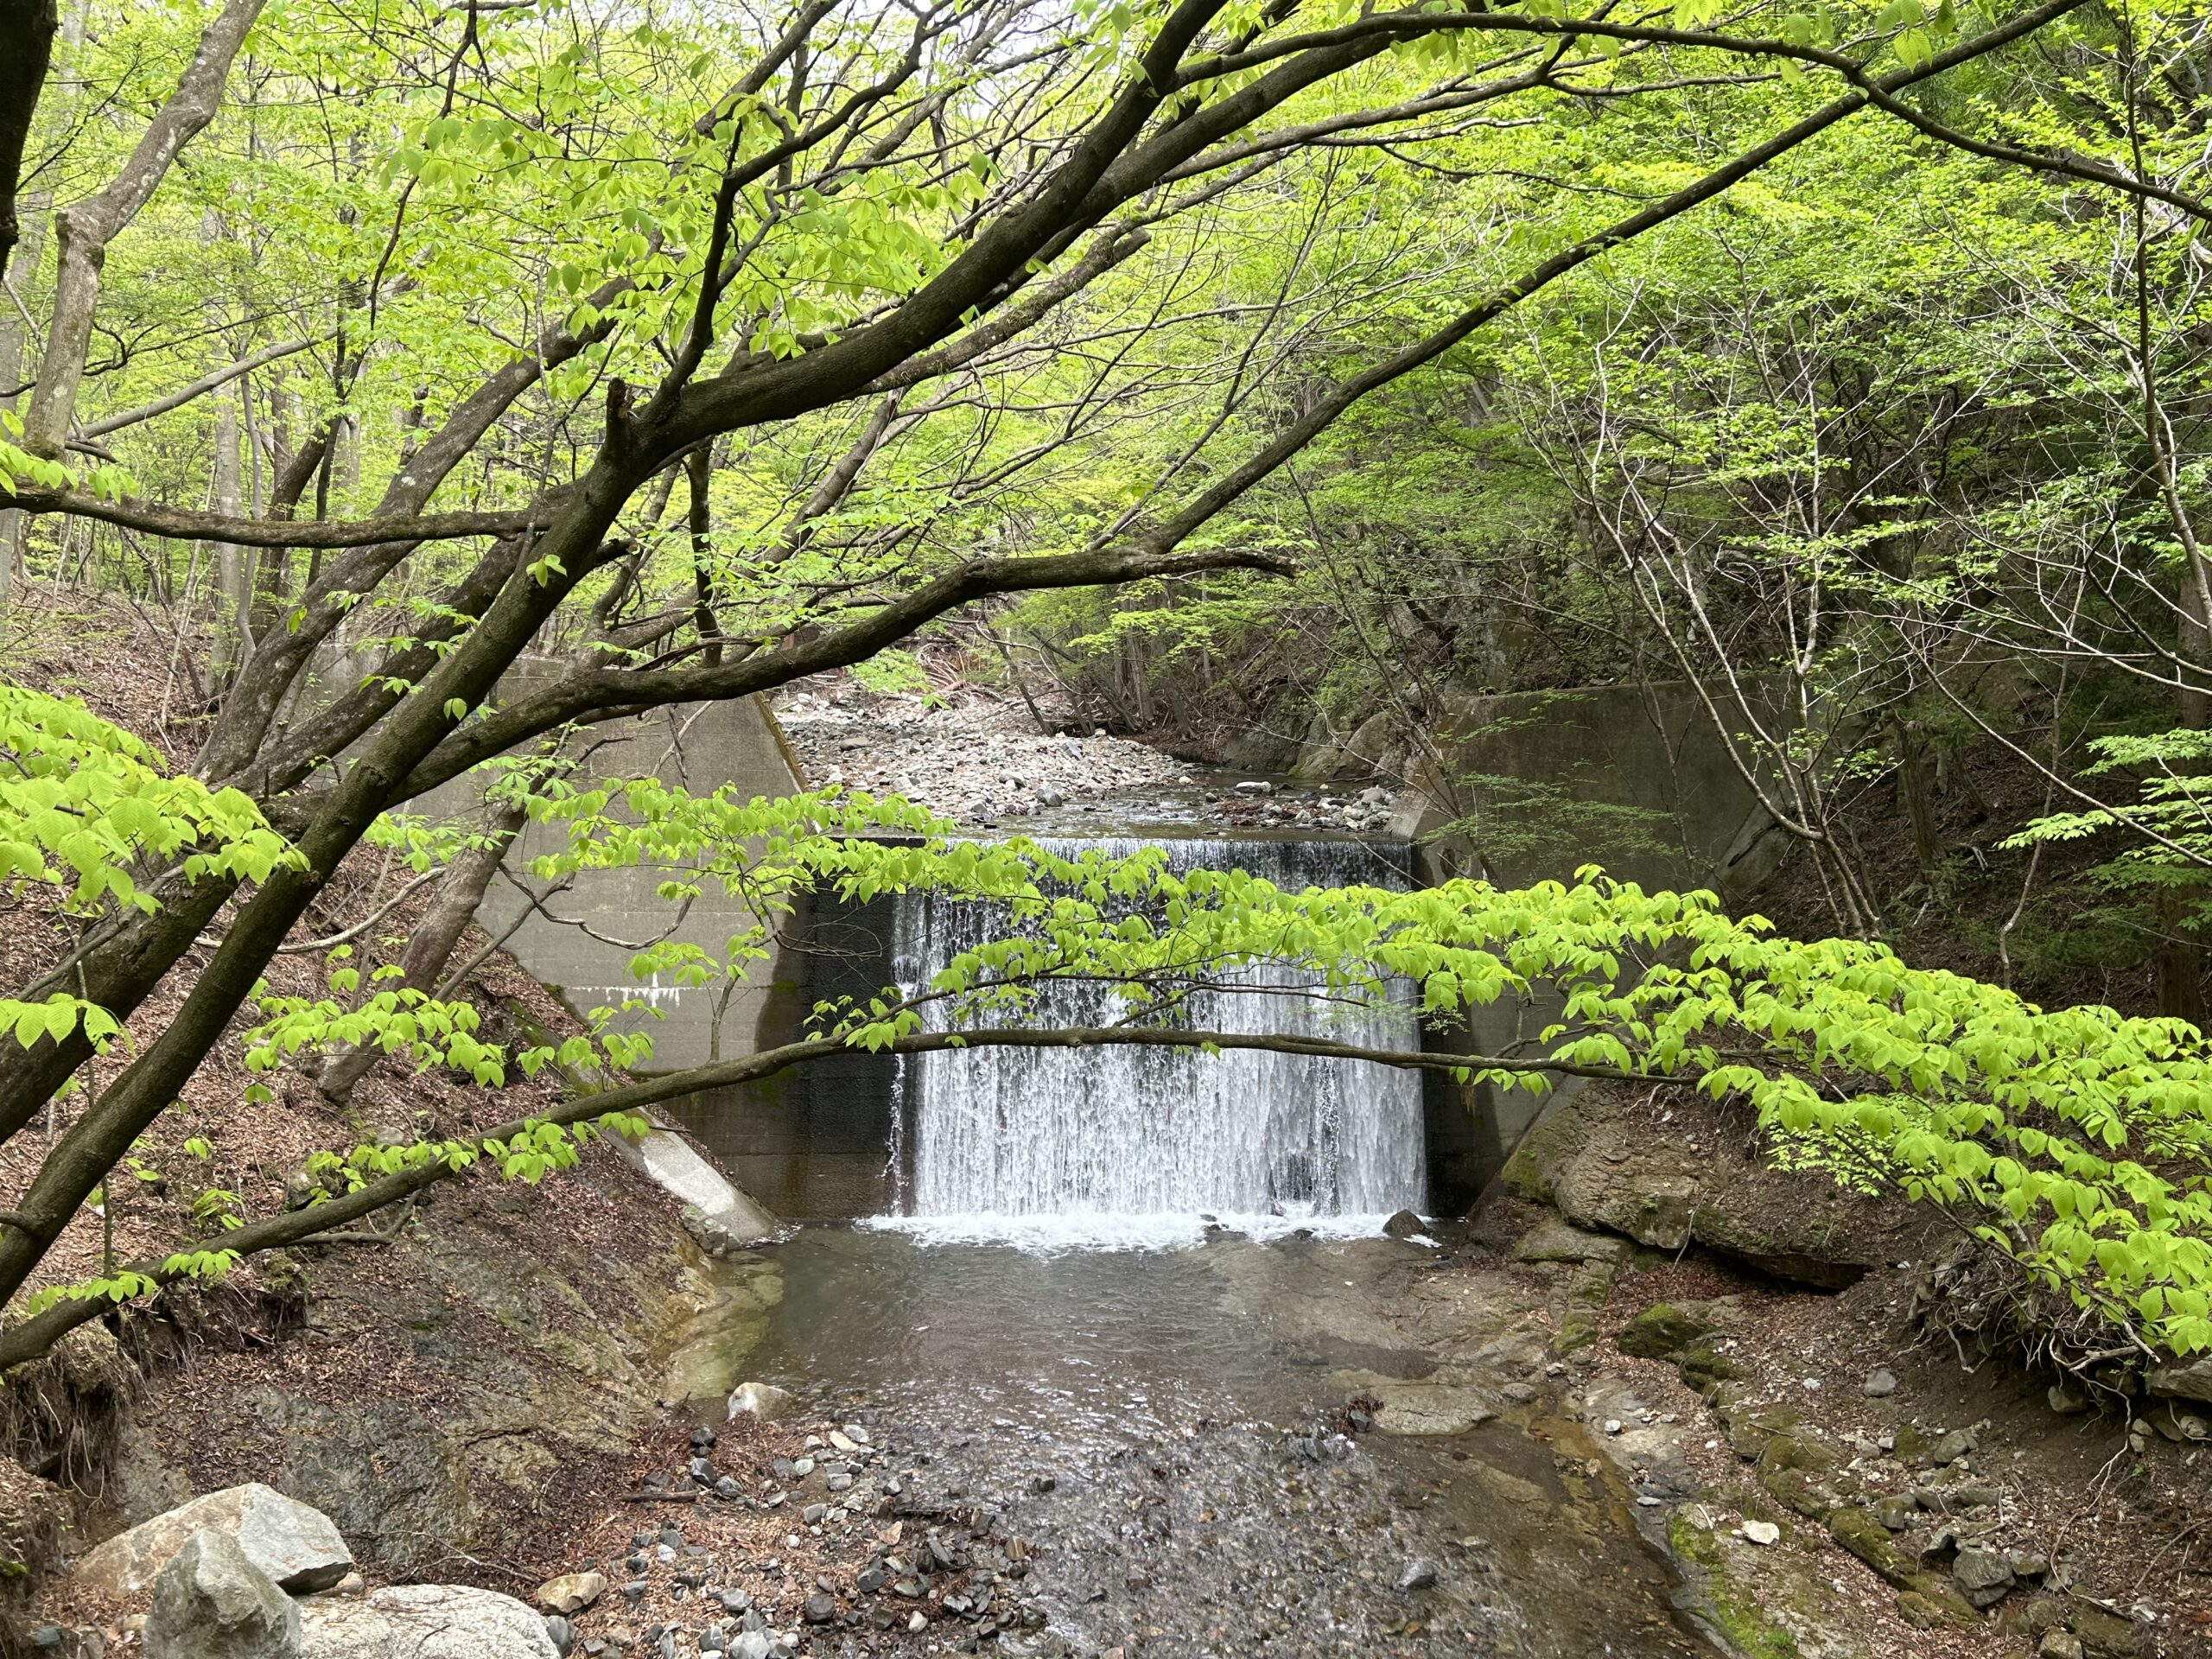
1141, 1147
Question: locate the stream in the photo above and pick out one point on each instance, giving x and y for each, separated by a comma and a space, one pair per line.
1124, 1305
1166, 1429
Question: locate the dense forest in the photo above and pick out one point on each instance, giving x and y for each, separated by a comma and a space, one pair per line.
400, 401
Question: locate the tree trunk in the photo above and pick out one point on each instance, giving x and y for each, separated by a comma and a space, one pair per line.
431, 943
2180, 958
1914, 784
84, 228
698, 475
233, 567
27, 26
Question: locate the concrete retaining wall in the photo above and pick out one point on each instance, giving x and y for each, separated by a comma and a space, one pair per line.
1633, 778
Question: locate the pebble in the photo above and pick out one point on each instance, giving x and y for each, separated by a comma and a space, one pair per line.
1762, 1532
1880, 1384
1418, 1575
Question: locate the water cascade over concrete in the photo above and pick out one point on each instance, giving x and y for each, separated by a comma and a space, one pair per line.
1136, 1143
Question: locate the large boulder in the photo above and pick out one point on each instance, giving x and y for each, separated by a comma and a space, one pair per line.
211, 1602
424, 1621
295, 1545
1603, 1164
2192, 1381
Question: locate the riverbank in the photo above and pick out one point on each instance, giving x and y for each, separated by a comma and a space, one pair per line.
1830, 1463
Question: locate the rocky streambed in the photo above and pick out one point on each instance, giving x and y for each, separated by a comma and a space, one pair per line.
993, 763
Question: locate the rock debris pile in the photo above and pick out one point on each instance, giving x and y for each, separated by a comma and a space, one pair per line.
766, 1540
973, 759
985, 764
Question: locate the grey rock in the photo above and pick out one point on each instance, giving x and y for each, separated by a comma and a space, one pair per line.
424, 1621
562, 1634
2067, 1398
211, 1602
1521, 1394
1553, 1240
572, 1593
753, 1645
2189, 1382
820, 1608
1896, 1510
727, 1486
294, 1544
1406, 1225
1880, 1384
1953, 1447
1665, 1194
1984, 1574
762, 1399
1418, 1575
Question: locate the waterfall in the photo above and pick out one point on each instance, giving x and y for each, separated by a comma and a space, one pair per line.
1076, 1145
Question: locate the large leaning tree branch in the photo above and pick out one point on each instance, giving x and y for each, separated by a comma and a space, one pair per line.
28, 1338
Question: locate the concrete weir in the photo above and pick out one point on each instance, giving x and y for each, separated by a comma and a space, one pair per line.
578, 938
1000, 1131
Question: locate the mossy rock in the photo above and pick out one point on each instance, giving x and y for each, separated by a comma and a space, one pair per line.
1704, 1371
1663, 1330
1552, 1142
1796, 1447
1749, 1432
1798, 1490
1928, 1600
2104, 1635
1731, 1605
1575, 1333
1913, 1444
